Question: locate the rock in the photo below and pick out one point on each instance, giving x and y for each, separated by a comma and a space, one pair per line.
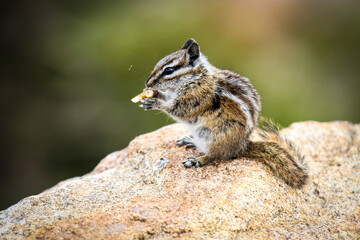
132, 194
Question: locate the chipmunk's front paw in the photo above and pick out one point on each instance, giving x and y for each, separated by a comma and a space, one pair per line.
191, 161
187, 141
148, 104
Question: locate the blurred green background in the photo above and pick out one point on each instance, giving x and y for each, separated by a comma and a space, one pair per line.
69, 69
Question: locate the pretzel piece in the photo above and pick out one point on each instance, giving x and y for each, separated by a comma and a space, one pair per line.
148, 93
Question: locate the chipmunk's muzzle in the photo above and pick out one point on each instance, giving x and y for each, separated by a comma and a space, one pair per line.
151, 82
147, 83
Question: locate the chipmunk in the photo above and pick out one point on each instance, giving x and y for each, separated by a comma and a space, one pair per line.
221, 109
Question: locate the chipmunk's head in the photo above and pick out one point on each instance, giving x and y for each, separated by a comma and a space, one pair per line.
179, 68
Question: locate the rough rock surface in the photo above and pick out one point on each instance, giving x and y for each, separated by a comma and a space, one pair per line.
131, 194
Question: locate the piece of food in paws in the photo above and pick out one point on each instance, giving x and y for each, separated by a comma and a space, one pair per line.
148, 93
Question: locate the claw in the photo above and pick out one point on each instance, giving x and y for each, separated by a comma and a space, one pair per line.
191, 161
185, 141
147, 103
148, 100
196, 162
190, 145
146, 107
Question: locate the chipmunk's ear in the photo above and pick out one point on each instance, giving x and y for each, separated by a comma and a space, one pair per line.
188, 43
193, 50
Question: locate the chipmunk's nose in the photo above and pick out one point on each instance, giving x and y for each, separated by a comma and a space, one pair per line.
147, 84
150, 81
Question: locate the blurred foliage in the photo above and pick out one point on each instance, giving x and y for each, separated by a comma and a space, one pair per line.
70, 68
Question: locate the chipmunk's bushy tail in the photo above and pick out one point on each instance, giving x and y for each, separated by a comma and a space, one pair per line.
279, 154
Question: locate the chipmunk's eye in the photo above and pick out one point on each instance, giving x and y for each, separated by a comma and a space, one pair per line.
169, 70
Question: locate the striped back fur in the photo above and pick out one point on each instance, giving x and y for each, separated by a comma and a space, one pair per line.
240, 90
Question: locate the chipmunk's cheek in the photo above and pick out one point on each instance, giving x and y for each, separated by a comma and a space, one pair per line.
168, 97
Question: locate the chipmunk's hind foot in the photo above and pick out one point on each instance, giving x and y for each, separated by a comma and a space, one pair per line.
196, 162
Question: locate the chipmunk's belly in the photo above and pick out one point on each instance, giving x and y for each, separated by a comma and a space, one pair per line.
201, 136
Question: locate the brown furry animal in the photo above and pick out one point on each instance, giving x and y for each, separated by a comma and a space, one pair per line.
221, 109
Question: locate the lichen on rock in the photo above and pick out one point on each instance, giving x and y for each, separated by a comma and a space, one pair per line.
132, 194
